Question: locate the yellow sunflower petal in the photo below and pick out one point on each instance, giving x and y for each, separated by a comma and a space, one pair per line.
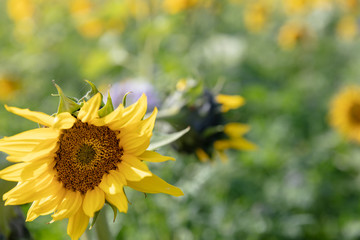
152, 156
90, 109
77, 224
69, 205
64, 121
112, 183
202, 155
118, 200
94, 200
133, 169
45, 205
46, 149
134, 144
133, 113
24, 171
13, 172
31, 215
143, 128
33, 135
32, 190
236, 129
113, 116
223, 156
229, 102
242, 144
222, 144
154, 184
135, 162
24, 143
129, 172
37, 117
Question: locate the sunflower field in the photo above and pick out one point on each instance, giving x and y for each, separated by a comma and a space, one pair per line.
257, 100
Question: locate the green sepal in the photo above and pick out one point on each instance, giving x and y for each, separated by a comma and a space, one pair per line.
66, 104
94, 219
161, 139
124, 98
108, 108
114, 210
91, 92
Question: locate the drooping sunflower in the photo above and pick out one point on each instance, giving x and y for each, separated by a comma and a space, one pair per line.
76, 162
210, 134
345, 112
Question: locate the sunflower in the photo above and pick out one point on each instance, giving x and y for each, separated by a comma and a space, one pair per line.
345, 112
76, 162
205, 113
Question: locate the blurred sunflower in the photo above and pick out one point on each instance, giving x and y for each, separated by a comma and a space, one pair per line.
291, 34
292, 7
345, 112
210, 133
9, 87
76, 161
347, 28
22, 13
256, 16
176, 6
19, 10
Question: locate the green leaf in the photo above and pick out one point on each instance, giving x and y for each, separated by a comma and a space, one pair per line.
108, 108
94, 220
66, 104
161, 139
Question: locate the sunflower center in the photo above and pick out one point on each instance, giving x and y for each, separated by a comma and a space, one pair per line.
86, 152
355, 113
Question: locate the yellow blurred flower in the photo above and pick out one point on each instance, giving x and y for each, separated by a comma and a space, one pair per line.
347, 28
92, 20
291, 34
350, 5
8, 88
80, 7
255, 16
91, 28
345, 112
229, 102
138, 8
296, 6
176, 6
20, 9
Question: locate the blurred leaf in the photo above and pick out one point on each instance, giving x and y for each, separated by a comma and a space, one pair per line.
160, 139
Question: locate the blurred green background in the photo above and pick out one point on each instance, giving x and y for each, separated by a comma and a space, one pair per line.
286, 58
